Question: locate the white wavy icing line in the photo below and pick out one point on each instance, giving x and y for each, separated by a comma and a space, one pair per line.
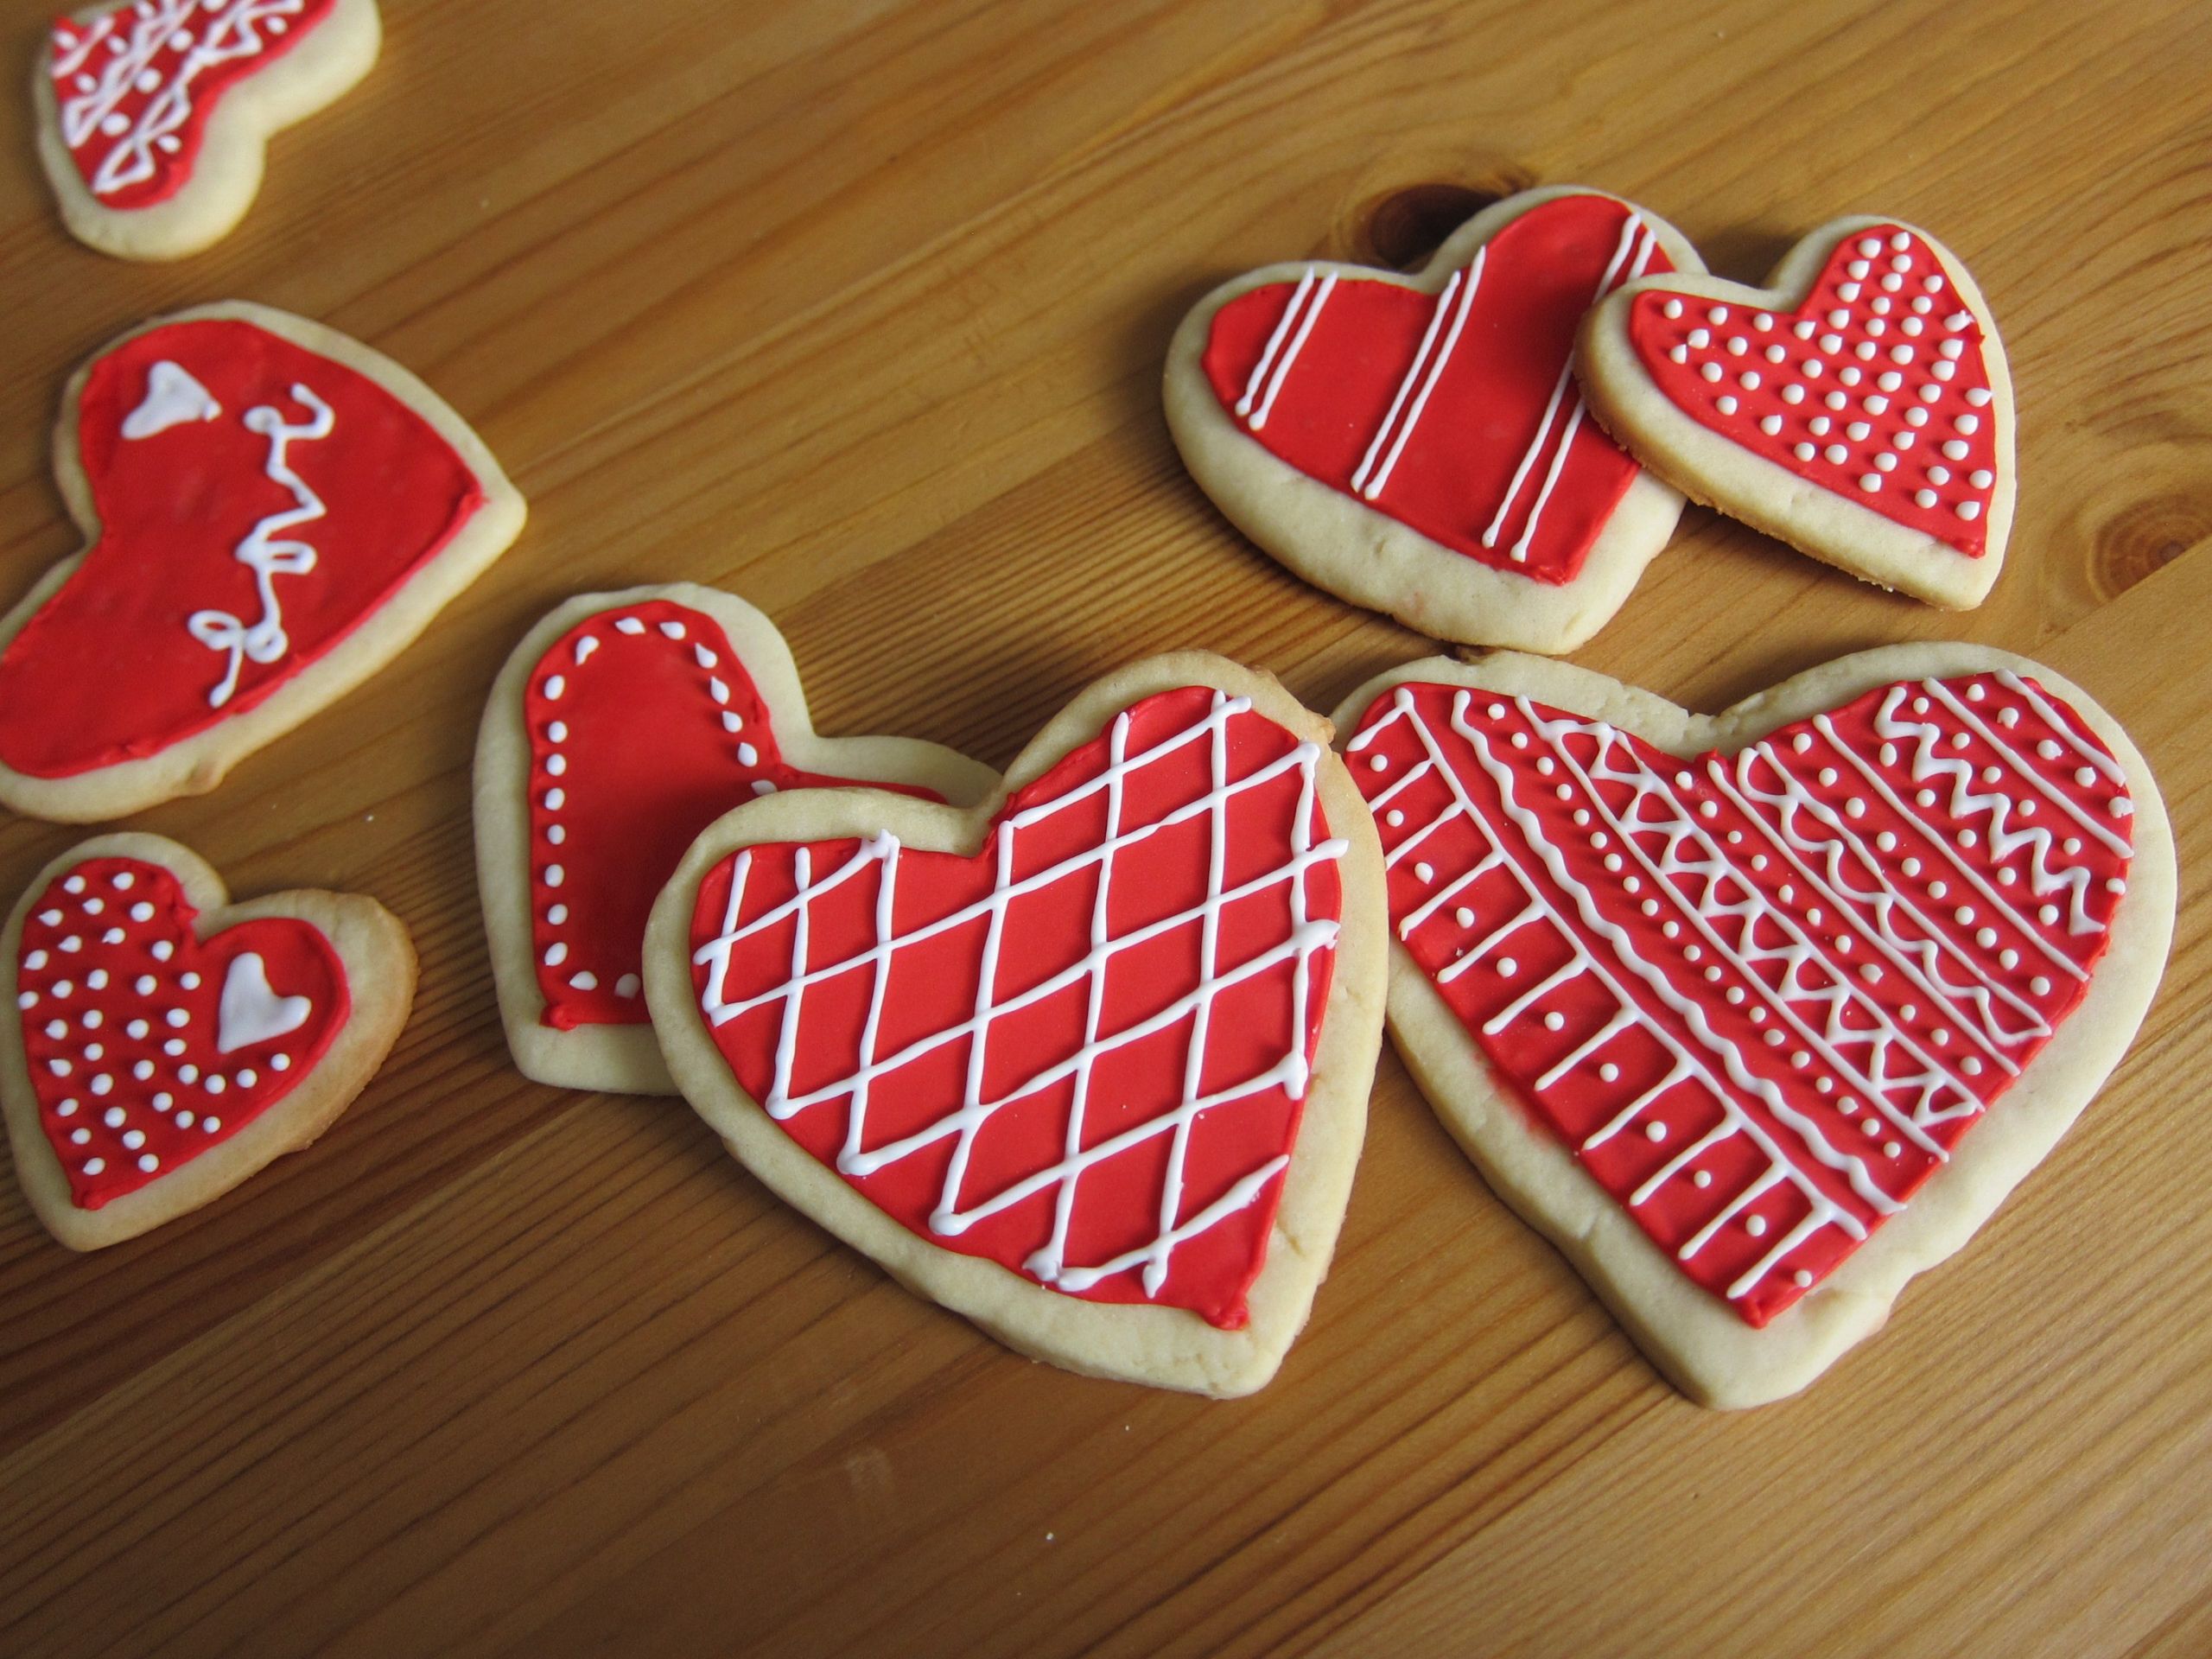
156, 25
265, 641
1288, 1073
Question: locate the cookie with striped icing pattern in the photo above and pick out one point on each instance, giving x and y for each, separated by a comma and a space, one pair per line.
1417, 444
1758, 1015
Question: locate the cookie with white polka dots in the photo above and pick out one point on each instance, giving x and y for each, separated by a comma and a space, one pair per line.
168, 1043
1857, 407
622, 726
1758, 1015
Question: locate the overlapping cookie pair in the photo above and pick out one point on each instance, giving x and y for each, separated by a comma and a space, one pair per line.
1492, 450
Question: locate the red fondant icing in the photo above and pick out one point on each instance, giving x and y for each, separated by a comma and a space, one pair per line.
1201, 778
136, 86
1761, 1019
657, 730
111, 979
1474, 451
1892, 407
109, 668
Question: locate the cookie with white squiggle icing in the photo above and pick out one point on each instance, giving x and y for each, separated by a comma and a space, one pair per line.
1087, 1063
1758, 1015
272, 512
153, 115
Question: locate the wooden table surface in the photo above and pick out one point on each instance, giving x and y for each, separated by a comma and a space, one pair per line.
857, 307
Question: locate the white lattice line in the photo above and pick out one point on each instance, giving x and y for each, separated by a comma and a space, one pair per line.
92, 112
1822, 1210
1714, 868
1289, 1073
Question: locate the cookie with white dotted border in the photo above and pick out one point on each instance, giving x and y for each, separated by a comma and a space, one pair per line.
622, 726
1857, 407
1758, 1015
154, 116
168, 1044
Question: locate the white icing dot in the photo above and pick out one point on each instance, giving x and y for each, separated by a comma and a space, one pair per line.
1710, 371
1726, 405
1755, 1226
1770, 424
1507, 967
1609, 1072
1969, 509
556, 954
1673, 309
210, 1125
1703, 1178
1554, 1020
280, 1062
554, 875
216, 1082
1655, 1133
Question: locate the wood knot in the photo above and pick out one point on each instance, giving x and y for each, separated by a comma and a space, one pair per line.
1403, 227
2144, 539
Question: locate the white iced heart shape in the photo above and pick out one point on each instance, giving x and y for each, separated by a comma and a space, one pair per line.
250, 1011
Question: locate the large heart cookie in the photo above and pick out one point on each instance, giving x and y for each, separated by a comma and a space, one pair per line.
168, 1044
1758, 1016
153, 114
1087, 1063
622, 726
273, 511
1859, 406
1417, 444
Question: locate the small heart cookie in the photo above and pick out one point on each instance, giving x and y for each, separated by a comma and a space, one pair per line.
153, 115
1857, 407
272, 512
1089, 1063
1417, 444
168, 1044
622, 726
1756, 1016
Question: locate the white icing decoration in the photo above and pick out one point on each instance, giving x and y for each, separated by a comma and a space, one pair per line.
956, 1212
262, 553
157, 28
173, 398
251, 1012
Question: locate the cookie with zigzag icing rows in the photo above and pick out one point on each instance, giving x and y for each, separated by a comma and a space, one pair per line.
1757, 1015
271, 512
1087, 1063
153, 115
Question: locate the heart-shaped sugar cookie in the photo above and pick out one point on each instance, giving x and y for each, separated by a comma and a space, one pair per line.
1417, 444
1087, 1063
153, 114
1859, 406
273, 512
622, 726
168, 1044
1760, 1015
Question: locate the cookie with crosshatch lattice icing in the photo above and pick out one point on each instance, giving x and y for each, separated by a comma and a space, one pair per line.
153, 115
1417, 443
167, 1044
1087, 1063
1758, 1015
622, 726
1859, 406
